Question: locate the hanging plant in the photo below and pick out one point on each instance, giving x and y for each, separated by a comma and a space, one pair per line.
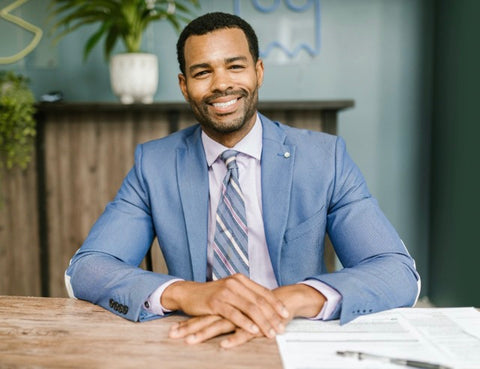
17, 124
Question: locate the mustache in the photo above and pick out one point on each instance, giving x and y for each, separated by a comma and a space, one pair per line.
216, 95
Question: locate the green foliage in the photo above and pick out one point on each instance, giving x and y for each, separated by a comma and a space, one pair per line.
17, 125
117, 19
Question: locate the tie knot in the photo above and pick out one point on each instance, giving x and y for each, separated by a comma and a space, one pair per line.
228, 156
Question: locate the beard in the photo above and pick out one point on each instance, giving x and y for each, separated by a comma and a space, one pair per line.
223, 124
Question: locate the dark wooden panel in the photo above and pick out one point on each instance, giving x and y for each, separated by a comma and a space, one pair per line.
87, 156
19, 246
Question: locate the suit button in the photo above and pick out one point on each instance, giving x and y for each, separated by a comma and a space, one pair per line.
146, 304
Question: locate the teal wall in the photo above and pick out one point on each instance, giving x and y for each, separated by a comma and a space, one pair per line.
455, 245
377, 52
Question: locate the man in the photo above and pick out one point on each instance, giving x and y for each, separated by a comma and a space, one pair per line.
242, 231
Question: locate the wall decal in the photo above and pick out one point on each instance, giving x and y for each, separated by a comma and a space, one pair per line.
37, 32
295, 23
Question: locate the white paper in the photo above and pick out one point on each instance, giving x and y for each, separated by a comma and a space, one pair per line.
448, 336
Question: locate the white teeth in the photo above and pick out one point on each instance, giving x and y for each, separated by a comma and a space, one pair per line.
225, 104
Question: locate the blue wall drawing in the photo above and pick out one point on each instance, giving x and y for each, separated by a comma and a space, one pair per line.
292, 21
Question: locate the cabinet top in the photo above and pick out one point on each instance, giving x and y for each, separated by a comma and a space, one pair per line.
179, 106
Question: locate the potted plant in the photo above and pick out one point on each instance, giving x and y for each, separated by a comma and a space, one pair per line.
134, 74
17, 124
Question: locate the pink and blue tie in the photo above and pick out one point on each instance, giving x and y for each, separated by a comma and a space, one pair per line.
230, 244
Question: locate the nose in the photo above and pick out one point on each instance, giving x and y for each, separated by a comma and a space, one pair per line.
221, 81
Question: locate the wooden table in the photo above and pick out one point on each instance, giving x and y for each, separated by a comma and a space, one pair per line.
51, 333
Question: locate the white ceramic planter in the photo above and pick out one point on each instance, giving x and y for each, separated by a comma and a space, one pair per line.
134, 77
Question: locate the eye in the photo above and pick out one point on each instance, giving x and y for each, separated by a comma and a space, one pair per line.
200, 74
237, 67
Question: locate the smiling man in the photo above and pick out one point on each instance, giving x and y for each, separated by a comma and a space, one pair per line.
221, 84
240, 206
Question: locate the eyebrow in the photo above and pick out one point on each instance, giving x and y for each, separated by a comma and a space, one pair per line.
207, 65
198, 66
234, 59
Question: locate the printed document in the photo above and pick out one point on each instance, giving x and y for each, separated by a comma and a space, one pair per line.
446, 336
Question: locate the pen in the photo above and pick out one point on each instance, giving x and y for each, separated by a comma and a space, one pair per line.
404, 362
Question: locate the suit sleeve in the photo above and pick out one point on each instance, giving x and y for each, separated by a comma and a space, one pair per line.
105, 269
378, 272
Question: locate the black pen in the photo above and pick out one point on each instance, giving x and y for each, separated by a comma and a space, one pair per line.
412, 363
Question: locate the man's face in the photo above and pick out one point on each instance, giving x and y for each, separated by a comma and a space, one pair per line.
221, 83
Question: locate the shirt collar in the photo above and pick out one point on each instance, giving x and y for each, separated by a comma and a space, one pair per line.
250, 145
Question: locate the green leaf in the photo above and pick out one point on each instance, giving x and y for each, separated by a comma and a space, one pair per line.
93, 40
124, 19
17, 126
110, 41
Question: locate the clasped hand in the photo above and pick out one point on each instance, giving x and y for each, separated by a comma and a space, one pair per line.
237, 305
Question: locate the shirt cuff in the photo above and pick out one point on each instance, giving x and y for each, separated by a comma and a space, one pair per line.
332, 296
153, 305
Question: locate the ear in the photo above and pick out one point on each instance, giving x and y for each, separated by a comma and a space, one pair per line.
182, 82
259, 69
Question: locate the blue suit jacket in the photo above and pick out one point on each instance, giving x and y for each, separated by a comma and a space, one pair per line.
317, 188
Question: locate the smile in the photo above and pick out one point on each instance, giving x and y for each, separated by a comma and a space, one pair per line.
224, 104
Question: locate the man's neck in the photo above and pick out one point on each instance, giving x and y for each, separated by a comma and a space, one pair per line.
232, 138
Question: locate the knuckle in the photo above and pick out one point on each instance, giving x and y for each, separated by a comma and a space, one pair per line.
238, 276
252, 308
231, 282
260, 300
221, 294
224, 294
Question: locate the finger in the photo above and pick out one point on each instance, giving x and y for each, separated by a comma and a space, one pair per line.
234, 315
192, 325
215, 329
267, 294
238, 338
266, 300
257, 320
245, 300
244, 306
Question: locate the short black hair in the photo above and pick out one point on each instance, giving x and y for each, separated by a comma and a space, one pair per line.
211, 22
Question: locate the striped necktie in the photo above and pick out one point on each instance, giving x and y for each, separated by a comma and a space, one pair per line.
230, 245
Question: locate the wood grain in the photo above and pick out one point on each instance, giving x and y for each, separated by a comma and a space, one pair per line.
87, 157
19, 244
66, 333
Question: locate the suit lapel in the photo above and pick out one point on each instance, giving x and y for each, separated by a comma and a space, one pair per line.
192, 172
277, 172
